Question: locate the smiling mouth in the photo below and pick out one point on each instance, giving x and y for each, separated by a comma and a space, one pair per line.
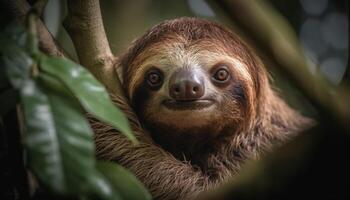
187, 105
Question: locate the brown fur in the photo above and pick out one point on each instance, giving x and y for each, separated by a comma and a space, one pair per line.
266, 120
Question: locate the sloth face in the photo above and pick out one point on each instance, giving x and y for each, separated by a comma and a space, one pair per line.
191, 76
190, 87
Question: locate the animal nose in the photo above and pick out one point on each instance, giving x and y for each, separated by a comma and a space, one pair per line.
186, 85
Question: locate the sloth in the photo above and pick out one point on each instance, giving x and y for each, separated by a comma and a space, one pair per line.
199, 101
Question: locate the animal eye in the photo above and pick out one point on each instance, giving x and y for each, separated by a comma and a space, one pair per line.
221, 75
154, 78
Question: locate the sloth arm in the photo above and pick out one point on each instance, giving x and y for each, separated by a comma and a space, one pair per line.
169, 178
163, 175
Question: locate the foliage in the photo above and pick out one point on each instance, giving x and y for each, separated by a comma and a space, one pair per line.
54, 94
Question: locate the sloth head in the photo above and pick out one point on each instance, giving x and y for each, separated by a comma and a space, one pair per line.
192, 77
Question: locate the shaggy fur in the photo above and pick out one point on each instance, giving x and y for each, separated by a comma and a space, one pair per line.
264, 121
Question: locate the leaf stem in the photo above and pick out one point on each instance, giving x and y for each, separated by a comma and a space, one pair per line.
31, 26
33, 41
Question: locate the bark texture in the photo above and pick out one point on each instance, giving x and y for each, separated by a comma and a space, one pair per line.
85, 26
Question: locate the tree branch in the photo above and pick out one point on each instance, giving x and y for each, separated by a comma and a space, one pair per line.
85, 26
18, 9
272, 34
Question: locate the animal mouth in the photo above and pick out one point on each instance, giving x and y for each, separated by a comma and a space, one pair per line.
188, 105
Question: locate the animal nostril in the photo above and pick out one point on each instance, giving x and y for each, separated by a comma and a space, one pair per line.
185, 85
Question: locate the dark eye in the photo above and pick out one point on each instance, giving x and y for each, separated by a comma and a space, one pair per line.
154, 78
221, 75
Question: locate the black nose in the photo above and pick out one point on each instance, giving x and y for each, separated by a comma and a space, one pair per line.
186, 85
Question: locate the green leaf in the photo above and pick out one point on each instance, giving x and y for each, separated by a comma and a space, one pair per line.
75, 139
74, 136
41, 139
58, 138
98, 187
123, 181
91, 94
18, 64
14, 33
13, 50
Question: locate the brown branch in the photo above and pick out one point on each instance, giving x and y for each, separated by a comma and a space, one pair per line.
272, 34
85, 26
18, 9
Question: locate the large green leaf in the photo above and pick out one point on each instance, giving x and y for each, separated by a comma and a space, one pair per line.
43, 151
13, 57
75, 140
88, 90
73, 133
41, 140
17, 63
123, 181
97, 187
58, 138
41, 137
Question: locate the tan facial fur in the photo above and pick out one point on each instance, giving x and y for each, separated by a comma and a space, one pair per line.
201, 57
